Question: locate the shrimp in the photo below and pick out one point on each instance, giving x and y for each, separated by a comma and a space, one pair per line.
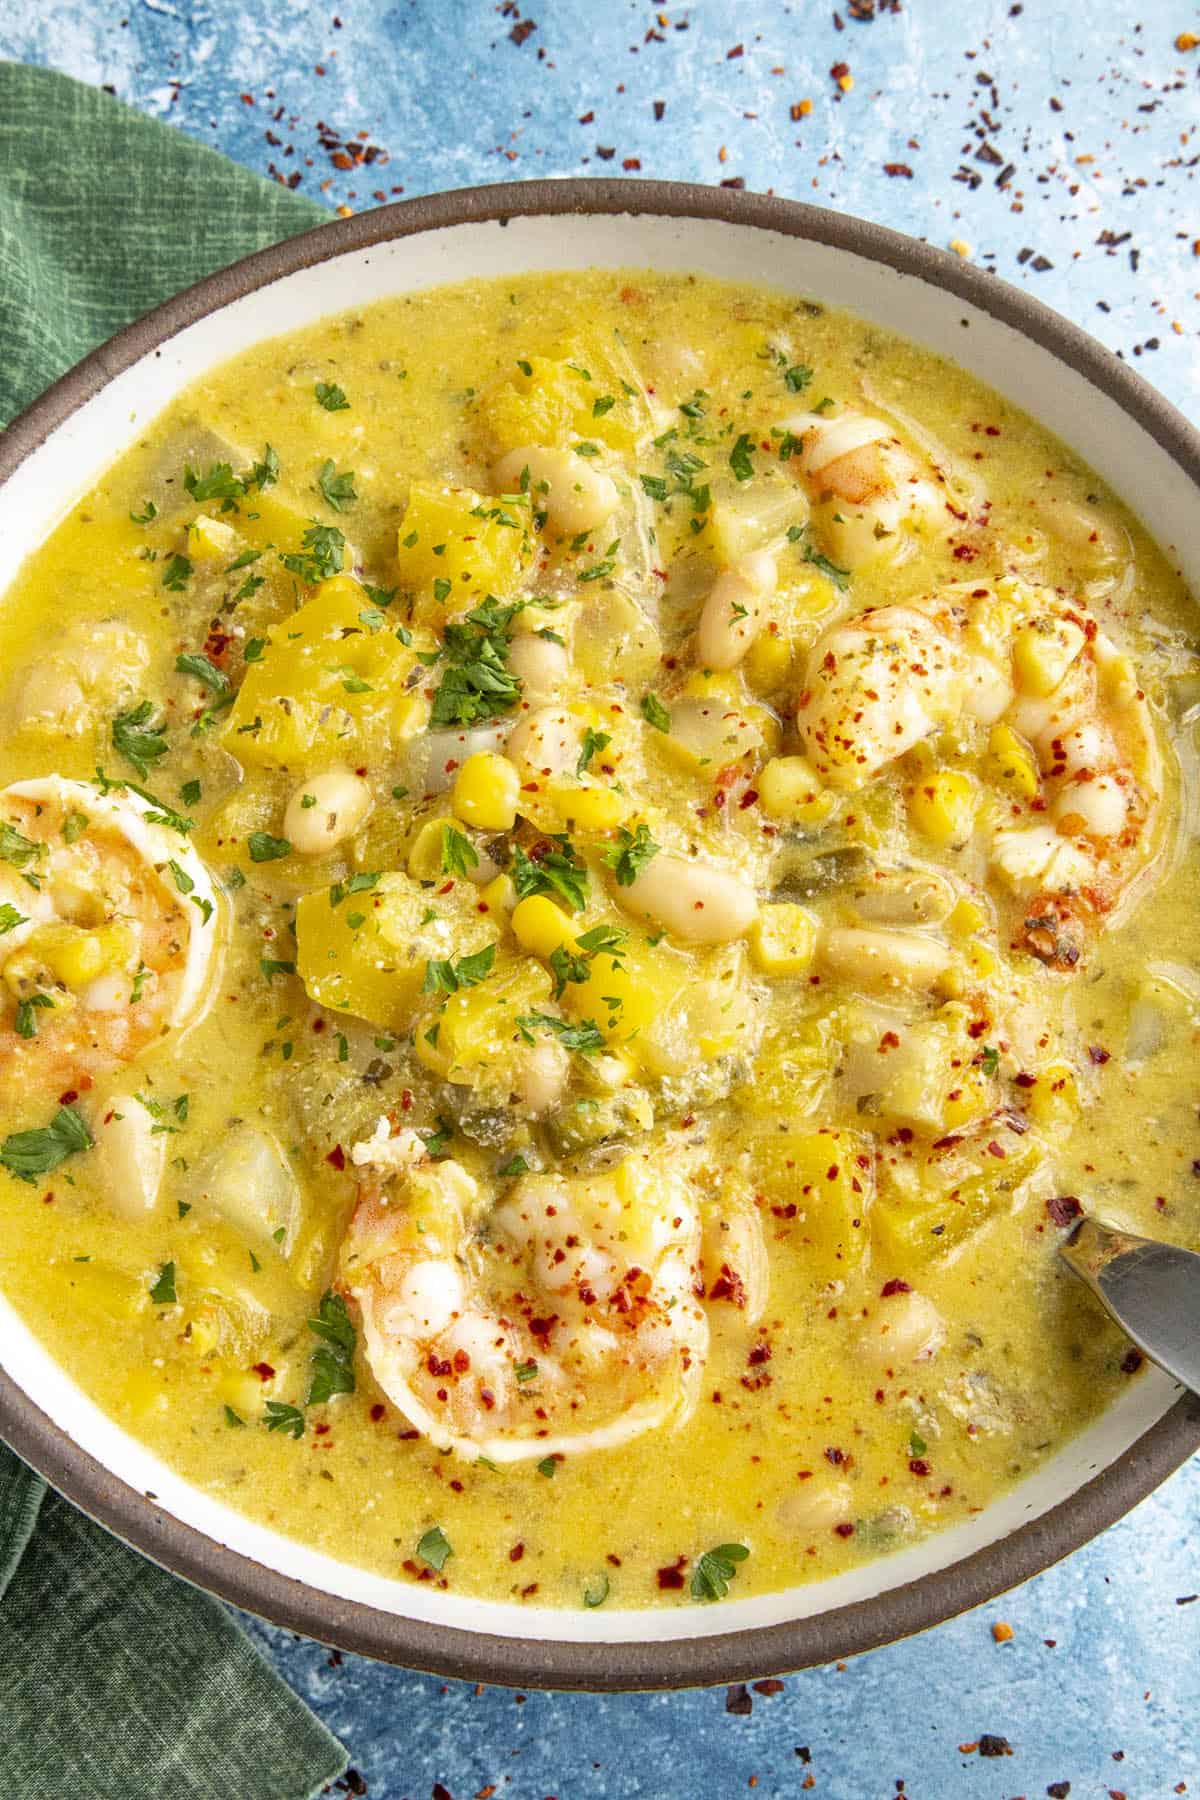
111, 923
564, 1318
878, 497
879, 683
1097, 753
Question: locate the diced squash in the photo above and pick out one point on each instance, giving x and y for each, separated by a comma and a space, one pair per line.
942, 806
783, 938
943, 1198
486, 791
368, 954
967, 916
456, 546
1053, 1101
331, 685
1043, 651
472, 1038
827, 1177
427, 852
1011, 764
499, 896
790, 790
101, 1291
212, 540
554, 403
707, 735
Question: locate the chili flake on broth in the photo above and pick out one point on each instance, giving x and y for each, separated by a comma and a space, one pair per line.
583, 886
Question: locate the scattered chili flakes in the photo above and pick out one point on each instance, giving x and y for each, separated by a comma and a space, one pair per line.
1002, 1632
898, 168
991, 1745
1064, 1209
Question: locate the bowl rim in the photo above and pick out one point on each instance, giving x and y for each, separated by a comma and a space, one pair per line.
636, 1664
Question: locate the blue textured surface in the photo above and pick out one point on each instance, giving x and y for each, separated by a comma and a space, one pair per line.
1099, 118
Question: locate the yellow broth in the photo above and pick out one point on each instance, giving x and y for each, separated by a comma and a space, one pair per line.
810, 1443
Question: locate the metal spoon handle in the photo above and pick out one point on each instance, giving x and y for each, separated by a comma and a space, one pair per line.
1151, 1289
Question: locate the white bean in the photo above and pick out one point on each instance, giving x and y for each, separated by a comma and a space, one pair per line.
815, 1506
693, 901
883, 960
541, 1078
574, 496
540, 665
325, 810
904, 1328
732, 613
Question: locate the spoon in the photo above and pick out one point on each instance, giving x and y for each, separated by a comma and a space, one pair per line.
1151, 1289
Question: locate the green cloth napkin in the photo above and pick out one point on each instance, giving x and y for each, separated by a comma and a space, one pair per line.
117, 1680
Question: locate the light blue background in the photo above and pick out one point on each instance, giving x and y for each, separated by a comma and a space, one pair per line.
449, 96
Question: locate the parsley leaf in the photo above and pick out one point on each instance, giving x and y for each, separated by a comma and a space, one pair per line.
741, 457
265, 848
459, 855
585, 1036
264, 474
197, 665
477, 683
448, 976
798, 377
839, 577
144, 518
989, 1060
163, 1292
176, 572
333, 1360
630, 854
655, 713
10, 918
138, 737
322, 555
561, 872
331, 397
288, 1419
434, 1548
337, 491
593, 743
16, 850
715, 1569
28, 1154
220, 483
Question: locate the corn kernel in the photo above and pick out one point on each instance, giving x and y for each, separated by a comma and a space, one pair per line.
783, 938
1118, 680
967, 1100
789, 789
769, 661
486, 790
982, 960
714, 684
966, 917
499, 896
1011, 764
1043, 651
540, 926
943, 806
1053, 1100
587, 804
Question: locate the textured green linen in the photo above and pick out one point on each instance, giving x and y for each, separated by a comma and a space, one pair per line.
116, 1679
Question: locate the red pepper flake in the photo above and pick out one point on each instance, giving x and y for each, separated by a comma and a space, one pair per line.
772, 1685
918, 1466
337, 1157
1131, 1362
672, 1576
732, 55
895, 1286
1058, 1790
1099, 1055
845, 1529
523, 29
835, 1456
516, 1553
902, 169
1064, 1209
990, 1745
378, 1412
264, 1371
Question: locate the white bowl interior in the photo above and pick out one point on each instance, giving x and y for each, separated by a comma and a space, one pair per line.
65, 465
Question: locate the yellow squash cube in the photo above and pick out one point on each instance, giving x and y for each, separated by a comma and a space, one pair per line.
827, 1176
331, 685
942, 806
456, 546
472, 1038
540, 926
790, 790
552, 403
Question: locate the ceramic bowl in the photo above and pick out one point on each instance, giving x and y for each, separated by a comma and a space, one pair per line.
1140, 446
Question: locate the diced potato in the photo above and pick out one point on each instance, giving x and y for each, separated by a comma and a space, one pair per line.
473, 1038
783, 939
247, 1179
827, 1176
966, 916
554, 403
456, 546
368, 954
426, 853
331, 686
707, 735
789, 789
1043, 651
129, 1156
1011, 764
942, 806
486, 791
753, 515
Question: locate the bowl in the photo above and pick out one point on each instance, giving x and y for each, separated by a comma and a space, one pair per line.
1147, 453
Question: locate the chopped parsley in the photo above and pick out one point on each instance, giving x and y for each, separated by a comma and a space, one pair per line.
655, 713
176, 573
27, 1011
839, 577
434, 1548
631, 853
448, 976
548, 1467
596, 1592
516, 1165
797, 377
593, 743
477, 683
333, 1359
337, 491
16, 850
163, 1292
741, 457
74, 826
989, 1060
586, 1036
28, 1154
10, 918
321, 557
459, 855
219, 483
144, 518
331, 397
265, 848
282, 1417
168, 1116
139, 737
715, 1569
561, 872
198, 666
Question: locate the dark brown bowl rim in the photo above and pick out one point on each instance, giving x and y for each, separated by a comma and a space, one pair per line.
682, 1662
